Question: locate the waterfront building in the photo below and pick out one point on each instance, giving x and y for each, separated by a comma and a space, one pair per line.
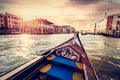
68, 29
110, 25
72, 30
101, 26
13, 23
92, 29
57, 29
65, 29
2, 22
113, 25
38, 26
10, 23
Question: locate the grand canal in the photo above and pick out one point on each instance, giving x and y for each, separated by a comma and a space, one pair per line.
104, 52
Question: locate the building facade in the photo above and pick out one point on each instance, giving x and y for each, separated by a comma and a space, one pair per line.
2, 22
57, 29
110, 25
92, 29
113, 25
38, 26
68, 29
101, 26
10, 23
13, 23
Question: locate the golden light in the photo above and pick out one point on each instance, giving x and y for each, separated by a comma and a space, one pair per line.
29, 17
26, 42
27, 14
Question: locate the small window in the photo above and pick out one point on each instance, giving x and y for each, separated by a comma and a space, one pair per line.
118, 16
1, 20
111, 17
1, 16
110, 27
117, 28
118, 22
2, 25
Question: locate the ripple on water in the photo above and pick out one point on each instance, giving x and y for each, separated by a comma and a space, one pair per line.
102, 51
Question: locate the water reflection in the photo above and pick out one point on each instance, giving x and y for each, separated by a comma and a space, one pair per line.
17, 49
25, 42
104, 52
104, 55
14, 51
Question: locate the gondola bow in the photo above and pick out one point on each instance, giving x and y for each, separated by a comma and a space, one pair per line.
67, 61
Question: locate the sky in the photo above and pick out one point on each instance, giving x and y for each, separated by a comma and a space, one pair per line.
76, 13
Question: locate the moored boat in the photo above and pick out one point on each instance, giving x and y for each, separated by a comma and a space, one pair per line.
67, 61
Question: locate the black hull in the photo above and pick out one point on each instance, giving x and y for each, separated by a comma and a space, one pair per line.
67, 61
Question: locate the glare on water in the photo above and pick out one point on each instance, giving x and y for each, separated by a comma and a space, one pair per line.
103, 52
25, 43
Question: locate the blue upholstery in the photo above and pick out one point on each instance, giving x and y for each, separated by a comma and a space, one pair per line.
65, 61
60, 73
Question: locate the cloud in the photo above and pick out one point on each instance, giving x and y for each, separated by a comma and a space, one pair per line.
69, 12
107, 6
7, 1
1, 7
97, 6
82, 2
94, 10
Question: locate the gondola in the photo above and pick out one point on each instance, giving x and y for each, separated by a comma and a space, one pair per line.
67, 61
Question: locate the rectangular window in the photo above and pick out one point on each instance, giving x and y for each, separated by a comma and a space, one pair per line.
110, 27
118, 23
118, 16
2, 25
8, 16
1, 16
117, 28
1, 20
111, 17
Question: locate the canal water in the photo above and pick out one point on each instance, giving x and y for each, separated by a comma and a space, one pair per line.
104, 52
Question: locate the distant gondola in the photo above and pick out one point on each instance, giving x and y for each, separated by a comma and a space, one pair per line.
67, 61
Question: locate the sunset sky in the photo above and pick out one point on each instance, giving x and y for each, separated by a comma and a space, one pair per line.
62, 12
